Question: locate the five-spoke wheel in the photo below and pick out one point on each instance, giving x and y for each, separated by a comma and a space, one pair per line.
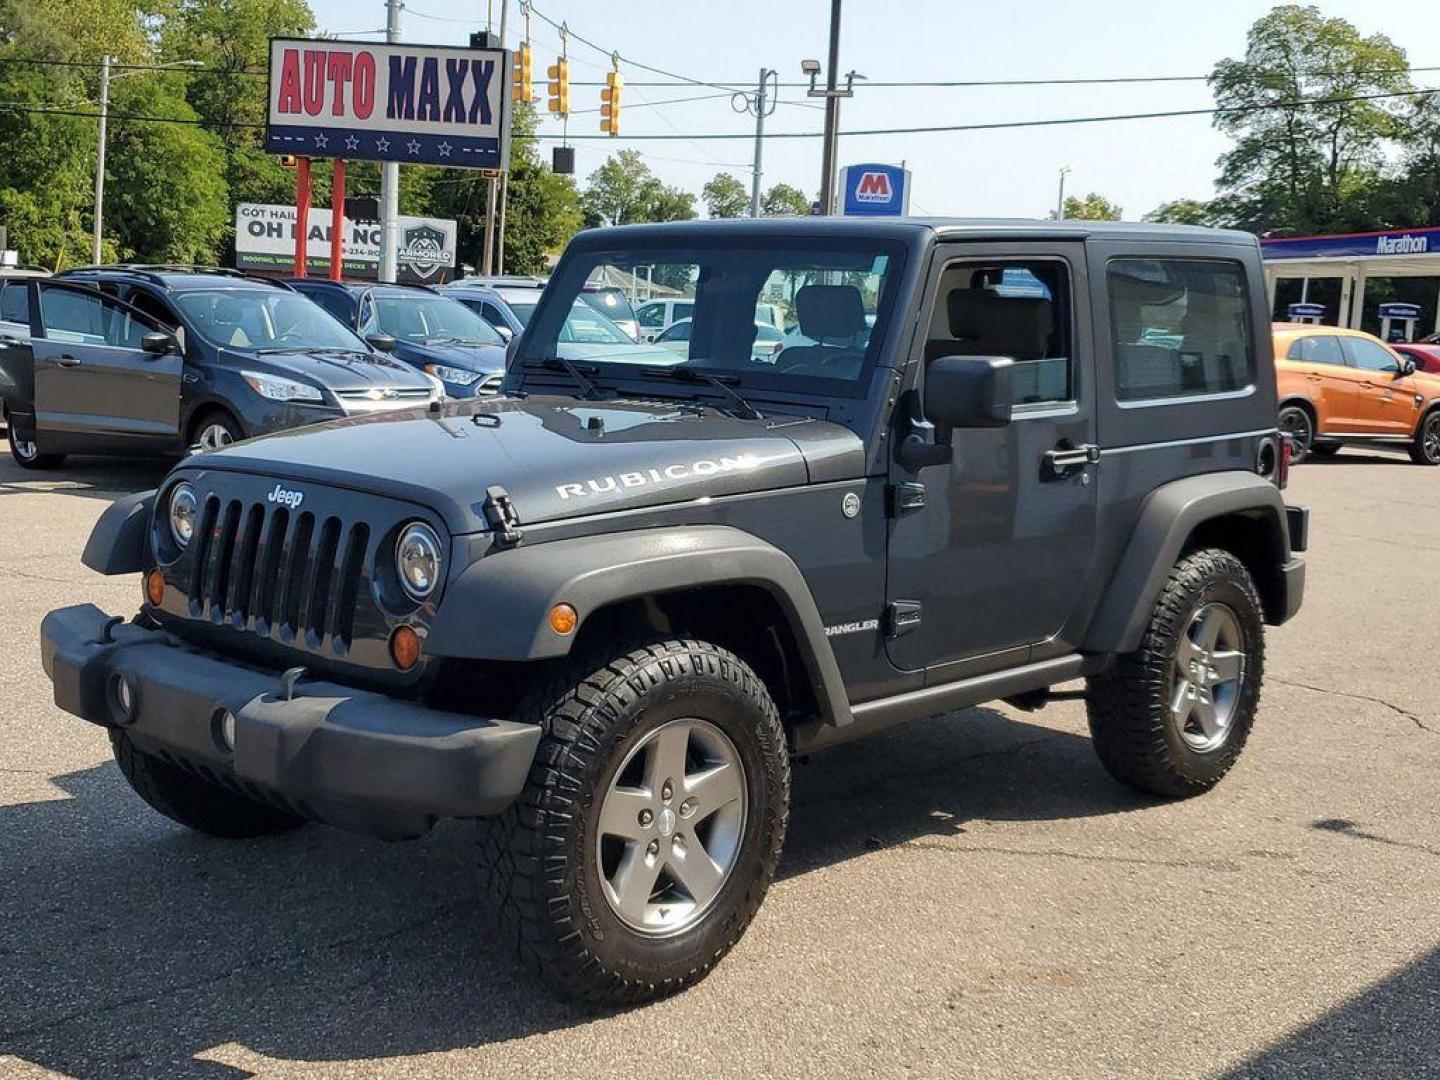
1209, 667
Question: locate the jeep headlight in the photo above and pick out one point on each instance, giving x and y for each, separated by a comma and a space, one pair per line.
277, 389
184, 505
457, 375
417, 560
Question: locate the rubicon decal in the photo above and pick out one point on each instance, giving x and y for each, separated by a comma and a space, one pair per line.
602, 485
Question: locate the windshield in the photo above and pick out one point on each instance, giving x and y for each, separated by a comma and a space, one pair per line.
832, 302
254, 319
424, 319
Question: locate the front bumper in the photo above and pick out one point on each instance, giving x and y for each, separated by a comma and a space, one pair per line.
359, 760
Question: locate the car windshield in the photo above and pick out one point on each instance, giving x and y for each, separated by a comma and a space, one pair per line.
254, 319
835, 300
424, 318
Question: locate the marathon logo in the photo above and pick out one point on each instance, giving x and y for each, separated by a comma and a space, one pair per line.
604, 485
1402, 245
874, 187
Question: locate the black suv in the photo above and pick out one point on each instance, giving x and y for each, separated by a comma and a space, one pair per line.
131, 359
435, 333
606, 609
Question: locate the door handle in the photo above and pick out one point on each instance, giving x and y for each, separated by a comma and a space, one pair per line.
1062, 459
1312, 378
68, 361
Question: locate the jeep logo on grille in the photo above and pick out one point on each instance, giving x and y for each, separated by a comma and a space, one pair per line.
286, 497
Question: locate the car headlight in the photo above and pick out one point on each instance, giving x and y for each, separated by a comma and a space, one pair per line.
184, 505
457, 375
277, 389
417, 560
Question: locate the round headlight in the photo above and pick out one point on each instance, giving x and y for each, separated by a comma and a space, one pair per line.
184, 505
417, 560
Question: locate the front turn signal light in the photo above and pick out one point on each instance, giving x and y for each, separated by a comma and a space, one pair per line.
563, 619
154, 587
405, 647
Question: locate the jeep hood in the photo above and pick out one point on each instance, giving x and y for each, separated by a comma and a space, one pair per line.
557, 457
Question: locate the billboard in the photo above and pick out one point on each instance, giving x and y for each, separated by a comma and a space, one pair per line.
265, 240
1353, 245
364, 101
875, 191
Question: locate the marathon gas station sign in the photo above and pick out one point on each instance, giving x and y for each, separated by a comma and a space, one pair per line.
1354, 245
362, 101
875, 190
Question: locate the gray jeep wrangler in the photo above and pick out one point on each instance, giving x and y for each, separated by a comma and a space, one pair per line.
606, 609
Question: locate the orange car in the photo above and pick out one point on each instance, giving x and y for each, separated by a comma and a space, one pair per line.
1342, 386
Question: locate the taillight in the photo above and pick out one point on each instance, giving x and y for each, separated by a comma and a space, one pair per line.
1282, 471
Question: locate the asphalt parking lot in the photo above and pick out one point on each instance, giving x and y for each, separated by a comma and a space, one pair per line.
971, 896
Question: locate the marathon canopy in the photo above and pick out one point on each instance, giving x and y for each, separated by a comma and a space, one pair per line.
421, 104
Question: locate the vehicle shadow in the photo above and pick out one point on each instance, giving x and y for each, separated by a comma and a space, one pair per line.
95, 477
133, 948
1353, 456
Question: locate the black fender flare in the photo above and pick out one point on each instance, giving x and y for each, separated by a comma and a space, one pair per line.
1168, 517
117, 542
498, 608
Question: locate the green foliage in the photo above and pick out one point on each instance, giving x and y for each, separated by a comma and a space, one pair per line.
725, 196
1091, 207
623, 191
782, 200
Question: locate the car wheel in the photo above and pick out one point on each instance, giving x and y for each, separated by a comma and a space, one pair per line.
26, 452
195, 803
651, 824
1171, 717
1425, 450
1324, 449
215, 431
1295, 421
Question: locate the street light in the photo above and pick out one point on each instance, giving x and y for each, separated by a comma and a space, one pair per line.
1060, 200
832, 94
105, 79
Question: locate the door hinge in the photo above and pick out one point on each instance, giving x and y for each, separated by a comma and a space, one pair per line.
901, 617
906, 497
500, 514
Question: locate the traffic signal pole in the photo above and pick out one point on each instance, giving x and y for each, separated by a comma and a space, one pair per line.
390, 176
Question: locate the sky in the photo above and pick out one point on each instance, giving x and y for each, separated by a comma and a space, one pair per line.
1137, 164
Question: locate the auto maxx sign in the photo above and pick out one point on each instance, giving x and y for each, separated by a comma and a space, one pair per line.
265, 240
422, 104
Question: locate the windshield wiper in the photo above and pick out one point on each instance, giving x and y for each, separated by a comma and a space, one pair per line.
559, 363
745, 411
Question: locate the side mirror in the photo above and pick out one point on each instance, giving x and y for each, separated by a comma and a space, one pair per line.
1407, 367
511, 348
504, 331
968, 392
159, 343
380, 342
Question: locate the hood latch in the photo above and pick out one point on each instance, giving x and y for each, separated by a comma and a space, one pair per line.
500, 514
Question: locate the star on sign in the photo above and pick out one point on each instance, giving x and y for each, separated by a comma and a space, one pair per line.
444, 149
321, 141
382, 145
352, 143
413, 146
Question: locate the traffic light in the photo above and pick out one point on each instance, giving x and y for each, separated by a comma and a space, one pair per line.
610, 103
559, 87
289, 161
524, 87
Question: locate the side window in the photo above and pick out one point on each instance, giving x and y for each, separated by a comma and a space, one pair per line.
1178, 328
1322, 349
14, 303
153, 306
1370, 355
1019, 309
682, 311
651, 316
79, 318
489, 312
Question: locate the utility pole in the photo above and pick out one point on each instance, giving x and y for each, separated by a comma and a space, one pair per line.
761, 107
390, 176
1060, 200
502, 182
832, 95
100, 160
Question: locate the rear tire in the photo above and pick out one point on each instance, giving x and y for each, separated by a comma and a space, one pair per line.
1171, 717
1297, 422
598, 865
26, 452
195, 803
1425, 450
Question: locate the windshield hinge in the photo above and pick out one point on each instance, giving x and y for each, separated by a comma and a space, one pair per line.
500, 514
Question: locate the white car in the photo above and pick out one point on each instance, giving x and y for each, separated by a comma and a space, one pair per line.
768, 341
656, 316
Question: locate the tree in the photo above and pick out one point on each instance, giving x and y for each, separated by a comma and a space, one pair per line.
1309, 168
623, 191
1092, 207
725, 196
782, 200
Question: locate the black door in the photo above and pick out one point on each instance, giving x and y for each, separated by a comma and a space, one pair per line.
95, 387
989, 554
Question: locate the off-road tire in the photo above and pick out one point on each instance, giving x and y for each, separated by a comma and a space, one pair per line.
1129, 704
1425, 447
195, 803
539, 855
29, 460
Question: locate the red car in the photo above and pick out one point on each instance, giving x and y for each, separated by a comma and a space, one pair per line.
1426, 357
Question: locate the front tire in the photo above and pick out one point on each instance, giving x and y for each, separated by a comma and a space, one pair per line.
195, 803
215, 430
1425, 450
26, 452
651, 824
1171, 717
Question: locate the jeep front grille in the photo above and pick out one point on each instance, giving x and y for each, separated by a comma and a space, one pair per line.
293, 576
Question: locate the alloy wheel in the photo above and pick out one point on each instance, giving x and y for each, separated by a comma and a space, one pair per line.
1209, 672
1430, 438
670, 827
214, 437
1295, 422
